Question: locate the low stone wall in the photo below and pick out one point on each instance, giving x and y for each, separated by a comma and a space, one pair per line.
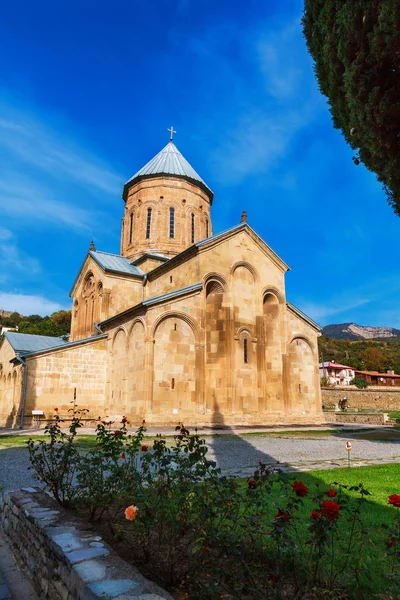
63, 557
373, 398
359, 418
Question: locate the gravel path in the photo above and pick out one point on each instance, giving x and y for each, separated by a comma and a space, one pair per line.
239, 455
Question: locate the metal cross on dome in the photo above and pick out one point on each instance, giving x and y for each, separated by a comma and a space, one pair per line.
171, 133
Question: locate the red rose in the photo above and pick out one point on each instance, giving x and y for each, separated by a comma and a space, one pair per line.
252, 484
122, 455
144, 448
314, 515
330, 509
116, 433
394, 499
300, 489
282, 516
331, 493
56, 409
124, 420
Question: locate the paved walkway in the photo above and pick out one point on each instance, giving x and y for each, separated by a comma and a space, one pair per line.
237, 452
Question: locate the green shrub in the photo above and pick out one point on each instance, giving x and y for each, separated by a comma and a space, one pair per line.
210, 535
359, 382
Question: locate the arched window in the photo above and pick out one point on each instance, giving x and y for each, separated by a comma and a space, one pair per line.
130, 228
148, 225
245, 353
206, 228
171, 222
192, 228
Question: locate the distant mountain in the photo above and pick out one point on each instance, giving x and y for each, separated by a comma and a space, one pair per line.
351, 331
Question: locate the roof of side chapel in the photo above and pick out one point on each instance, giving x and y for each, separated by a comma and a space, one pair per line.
27, 342
169, 161
115, 263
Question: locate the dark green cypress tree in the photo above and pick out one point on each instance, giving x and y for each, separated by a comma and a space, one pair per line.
356, 48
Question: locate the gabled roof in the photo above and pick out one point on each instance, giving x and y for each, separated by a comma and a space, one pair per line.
189, 252
303, 316
169, 162
27, 342
115, 263
147, 255
334, 365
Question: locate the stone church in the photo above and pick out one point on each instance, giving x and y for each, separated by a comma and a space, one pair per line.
183, 325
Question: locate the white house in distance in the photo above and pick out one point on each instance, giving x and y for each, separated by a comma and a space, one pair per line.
335, 373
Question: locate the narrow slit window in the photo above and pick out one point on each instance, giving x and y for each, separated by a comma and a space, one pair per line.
173, 383
300, 390
245, 355
206, 228
130, 228
171, 222
148, 225
192, 228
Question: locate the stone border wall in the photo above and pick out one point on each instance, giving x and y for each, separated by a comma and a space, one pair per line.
63, 557
376, 398
359, 418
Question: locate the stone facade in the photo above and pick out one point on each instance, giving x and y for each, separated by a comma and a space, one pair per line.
182, 326
371, 398
10, 385
147, 222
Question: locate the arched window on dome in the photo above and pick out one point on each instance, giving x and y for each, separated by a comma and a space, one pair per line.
171, 222
130, 228
192, 228
148, 225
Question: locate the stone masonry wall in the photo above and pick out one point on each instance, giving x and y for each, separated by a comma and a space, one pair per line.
52, 377
371, 398
359, 418
64, 558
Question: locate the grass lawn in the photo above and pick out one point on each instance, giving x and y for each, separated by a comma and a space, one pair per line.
381, 481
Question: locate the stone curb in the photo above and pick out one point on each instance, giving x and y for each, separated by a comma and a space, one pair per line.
64, 558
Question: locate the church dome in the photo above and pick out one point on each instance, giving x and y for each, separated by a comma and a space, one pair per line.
169, 162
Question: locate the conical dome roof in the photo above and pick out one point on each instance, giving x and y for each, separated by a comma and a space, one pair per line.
169, 162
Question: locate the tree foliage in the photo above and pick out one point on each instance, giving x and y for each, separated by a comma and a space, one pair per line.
367, 355
356, 48
57, 324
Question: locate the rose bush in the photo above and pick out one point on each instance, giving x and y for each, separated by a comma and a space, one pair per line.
176, 515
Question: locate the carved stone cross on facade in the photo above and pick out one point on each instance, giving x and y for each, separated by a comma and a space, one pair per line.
171, 133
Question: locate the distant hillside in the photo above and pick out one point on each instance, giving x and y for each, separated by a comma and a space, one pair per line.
352, 331
364, 354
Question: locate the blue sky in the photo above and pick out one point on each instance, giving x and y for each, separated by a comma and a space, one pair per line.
87, 92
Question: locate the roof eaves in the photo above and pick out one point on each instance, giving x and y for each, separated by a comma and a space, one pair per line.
299, 313
61, 347
143, 177
149, 255
173, 262
175, 294
244, 226
79, 272
182, 292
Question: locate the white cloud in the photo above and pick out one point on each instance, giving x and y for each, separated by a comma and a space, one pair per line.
15, 263
27, 200
29, 305
275, 99
319, 312
32, 142
5, 234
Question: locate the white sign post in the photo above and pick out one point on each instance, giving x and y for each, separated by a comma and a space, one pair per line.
348, 450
